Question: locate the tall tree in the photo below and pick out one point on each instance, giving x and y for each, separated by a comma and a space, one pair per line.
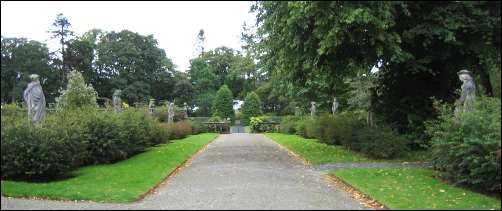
200, 42
20, 58
313, 46
223, 103
61, 30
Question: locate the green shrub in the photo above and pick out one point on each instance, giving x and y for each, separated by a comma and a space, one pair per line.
300, 127
42, 151
223, 105
254, 122
77, 93
178, 130
288, 124
323, 129
380, 142
466, 146
113, 137
70, 138
197, 127
251, 108
345, 128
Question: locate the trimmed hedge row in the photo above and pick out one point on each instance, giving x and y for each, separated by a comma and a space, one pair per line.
69, 139
348, 129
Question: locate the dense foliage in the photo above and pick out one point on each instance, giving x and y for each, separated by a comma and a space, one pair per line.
466, 146
77, 94
251, 108
223, 103
68, 139
309, 47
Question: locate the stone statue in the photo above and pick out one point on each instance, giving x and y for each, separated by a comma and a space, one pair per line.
298, 112
34, 99
468, 95
151, 107
185, 110
335, 106
312, 110
116, 101
136, 106
170, 113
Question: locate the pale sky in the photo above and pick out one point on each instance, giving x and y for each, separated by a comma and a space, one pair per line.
174, 24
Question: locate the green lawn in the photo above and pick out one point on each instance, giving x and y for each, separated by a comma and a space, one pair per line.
318, 153
413, 189
123, 181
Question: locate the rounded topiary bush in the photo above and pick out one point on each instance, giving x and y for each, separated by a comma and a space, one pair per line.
251, 108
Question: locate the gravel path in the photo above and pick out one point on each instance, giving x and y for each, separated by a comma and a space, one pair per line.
237, 171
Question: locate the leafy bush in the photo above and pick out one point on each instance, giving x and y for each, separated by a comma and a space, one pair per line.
40, 151
323, 128
70, 138
178, 130
345, 127
223, 105
288, 124
380, 142
254, 122
113, 137
197, 127
466, 146
77, 93
300, 127
251, 108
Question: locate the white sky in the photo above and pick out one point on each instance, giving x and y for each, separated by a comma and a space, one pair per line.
174, 24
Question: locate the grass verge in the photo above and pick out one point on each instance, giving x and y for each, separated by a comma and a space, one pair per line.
413, 189
124, 181
318, 153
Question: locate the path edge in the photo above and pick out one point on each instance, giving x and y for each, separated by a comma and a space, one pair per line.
173, 173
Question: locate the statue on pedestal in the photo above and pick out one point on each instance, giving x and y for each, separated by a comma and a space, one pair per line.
35, 100
151, 107
116, 101
185, 110
170, 113
468, 95
334, 108
312, 110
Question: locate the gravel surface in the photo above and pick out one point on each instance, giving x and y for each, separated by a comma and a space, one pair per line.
237, 171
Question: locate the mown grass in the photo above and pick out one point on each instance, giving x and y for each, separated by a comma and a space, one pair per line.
319, 153
123, 181
413, 189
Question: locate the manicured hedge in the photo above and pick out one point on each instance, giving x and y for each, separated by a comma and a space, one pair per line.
348, 129
71, 138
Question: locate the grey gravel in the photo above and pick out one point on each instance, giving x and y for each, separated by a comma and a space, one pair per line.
237, 171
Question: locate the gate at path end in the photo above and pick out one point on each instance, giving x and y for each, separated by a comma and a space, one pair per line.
237, 127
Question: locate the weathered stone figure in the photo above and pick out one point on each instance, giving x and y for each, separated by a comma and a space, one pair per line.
312, 110
170, 113
334, 108
34, 99
298, 112
468, 95
116, 101
185, 110
151, 107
